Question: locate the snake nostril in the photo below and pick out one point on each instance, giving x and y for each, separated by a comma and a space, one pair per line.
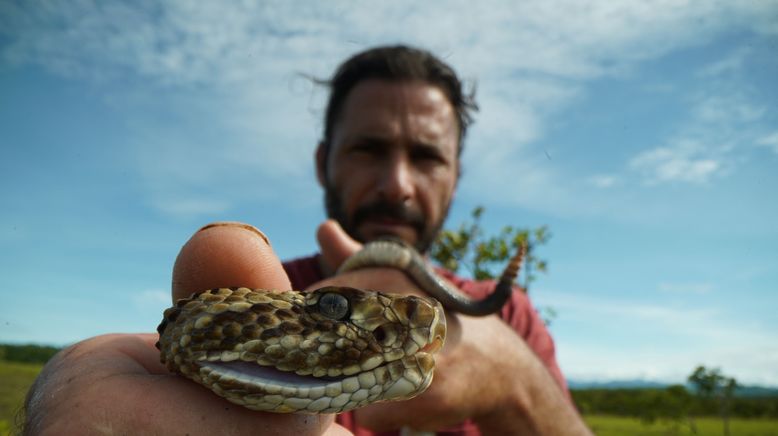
379, 334
385, 334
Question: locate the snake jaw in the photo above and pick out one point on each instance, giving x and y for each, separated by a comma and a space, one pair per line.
273, 350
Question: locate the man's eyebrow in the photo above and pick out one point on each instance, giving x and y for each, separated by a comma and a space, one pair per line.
430, 149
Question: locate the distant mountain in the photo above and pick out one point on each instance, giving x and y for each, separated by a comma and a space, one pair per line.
741, 391
756, 391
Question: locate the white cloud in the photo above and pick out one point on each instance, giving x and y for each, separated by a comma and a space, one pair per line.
231, 70
603, 181
598, 362
661, 340
770, 141
714, 139
684, 320
684, 162
717, 108
684, 288
731, 63
154, 297
190, 206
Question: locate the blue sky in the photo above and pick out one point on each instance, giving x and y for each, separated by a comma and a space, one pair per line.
645, 136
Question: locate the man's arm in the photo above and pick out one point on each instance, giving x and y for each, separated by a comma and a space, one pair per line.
527, 399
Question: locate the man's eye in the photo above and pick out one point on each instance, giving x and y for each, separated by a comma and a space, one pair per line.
365, 149
428, 156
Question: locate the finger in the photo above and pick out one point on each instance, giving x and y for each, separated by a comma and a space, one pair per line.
226, 254
336, 245
145, 401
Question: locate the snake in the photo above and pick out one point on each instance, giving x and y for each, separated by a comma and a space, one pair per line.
327, 350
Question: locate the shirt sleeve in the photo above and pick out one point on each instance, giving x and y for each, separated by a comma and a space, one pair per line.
303, 271
524, 318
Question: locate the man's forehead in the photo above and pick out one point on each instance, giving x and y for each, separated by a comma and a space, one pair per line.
383, 110
398, 93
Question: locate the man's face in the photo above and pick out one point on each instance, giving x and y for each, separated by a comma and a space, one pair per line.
392, 166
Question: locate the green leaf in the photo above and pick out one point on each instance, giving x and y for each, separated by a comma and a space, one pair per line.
481, 255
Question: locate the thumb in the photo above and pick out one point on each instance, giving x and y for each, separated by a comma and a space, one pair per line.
227, 254
336, 245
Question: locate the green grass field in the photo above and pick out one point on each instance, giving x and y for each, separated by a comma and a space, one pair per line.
15, 379
619, 426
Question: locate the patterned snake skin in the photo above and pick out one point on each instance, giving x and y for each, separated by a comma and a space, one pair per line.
324, 351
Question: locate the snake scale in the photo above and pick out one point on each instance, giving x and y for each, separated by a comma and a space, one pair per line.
328, 350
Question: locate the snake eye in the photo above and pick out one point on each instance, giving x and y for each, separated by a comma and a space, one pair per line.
333, 305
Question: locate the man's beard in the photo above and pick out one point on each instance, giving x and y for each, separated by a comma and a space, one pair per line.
427, 232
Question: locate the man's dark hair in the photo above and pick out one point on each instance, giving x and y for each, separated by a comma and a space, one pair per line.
398, 63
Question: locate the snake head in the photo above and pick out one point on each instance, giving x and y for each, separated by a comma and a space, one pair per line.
324, 351
388, 322
385, 327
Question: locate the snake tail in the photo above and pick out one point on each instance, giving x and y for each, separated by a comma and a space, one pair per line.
395, 253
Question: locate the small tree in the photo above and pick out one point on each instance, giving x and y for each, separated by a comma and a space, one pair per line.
467, 247
711, 385
675, 407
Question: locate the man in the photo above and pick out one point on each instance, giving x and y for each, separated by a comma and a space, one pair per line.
389, 164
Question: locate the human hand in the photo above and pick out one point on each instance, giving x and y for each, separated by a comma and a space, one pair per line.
485, 371
464, 367
115, 383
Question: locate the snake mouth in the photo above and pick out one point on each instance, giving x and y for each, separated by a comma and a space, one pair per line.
433, 347
258, 375
266, 388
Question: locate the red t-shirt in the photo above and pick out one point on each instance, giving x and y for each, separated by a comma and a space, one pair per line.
517, 313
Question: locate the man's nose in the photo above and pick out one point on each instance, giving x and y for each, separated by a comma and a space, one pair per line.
396, 184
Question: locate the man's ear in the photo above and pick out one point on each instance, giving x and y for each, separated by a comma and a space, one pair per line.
321, 164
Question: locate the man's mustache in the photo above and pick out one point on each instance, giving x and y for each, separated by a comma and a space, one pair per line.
398, 212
